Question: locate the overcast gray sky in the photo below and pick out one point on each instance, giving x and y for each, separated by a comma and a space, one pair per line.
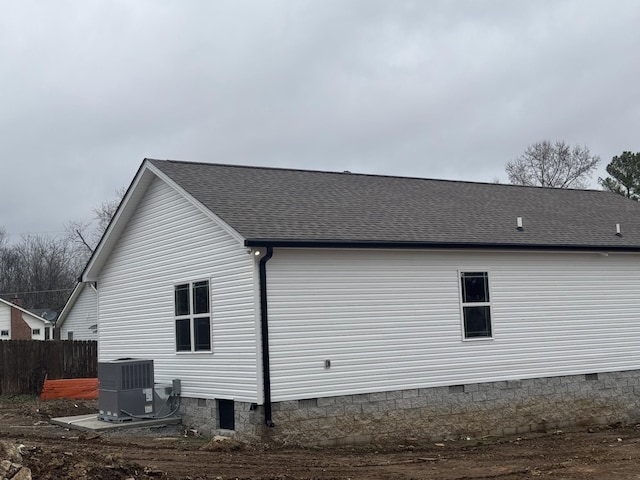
441, 89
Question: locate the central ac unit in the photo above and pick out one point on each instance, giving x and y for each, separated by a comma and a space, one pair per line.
125, 389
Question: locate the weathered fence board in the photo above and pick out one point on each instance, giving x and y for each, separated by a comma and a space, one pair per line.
24, 364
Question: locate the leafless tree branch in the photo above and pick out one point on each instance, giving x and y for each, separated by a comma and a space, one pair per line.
557, 165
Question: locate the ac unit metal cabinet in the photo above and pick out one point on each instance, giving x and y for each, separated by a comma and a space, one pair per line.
125, 389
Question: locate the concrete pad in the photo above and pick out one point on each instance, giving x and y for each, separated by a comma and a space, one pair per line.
92, 423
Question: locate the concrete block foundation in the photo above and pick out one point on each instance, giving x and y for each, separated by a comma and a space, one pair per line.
494, 408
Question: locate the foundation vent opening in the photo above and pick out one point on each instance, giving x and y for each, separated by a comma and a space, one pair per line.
308, 403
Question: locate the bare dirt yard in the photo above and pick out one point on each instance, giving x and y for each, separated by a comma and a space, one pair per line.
29, 442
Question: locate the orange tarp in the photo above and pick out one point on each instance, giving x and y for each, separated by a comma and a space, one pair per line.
72, 388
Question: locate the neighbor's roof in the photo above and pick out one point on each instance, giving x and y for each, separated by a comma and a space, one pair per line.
30, 314
297, 207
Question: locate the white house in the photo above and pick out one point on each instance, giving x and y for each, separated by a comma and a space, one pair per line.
320, 307
16, 323
79, 317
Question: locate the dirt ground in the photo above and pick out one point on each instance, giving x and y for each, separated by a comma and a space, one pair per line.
170, 452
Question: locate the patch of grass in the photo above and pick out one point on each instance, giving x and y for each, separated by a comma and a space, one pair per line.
18, 399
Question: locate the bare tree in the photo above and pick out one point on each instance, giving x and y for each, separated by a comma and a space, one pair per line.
77, 234
86, 235
40, 270
557, 165
43, 270
105, 211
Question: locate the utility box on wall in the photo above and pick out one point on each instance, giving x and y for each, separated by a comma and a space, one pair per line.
125, 389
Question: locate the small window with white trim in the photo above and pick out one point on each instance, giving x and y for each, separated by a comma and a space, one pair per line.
4, 333
192, 316
476, 306
35, 332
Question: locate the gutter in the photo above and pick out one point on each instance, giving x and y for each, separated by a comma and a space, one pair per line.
366, 244
266, 371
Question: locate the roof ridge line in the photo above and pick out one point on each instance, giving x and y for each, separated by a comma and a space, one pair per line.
346, 172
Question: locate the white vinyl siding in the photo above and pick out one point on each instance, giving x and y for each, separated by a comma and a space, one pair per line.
169, 241
82, 317
390, 320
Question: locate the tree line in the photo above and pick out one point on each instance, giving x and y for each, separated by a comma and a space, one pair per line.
42, 270
39, 270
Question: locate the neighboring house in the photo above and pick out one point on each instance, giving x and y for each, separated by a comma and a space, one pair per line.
16, 323
79, 317
47, 314
319, 307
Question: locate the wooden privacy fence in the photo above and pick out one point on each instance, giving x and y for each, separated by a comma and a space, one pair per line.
24, 364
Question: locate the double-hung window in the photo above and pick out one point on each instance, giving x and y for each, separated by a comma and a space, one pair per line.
193, 316
476, 306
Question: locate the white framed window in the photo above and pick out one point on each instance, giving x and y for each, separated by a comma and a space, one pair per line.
4, 333
35, 332
193, 316
476, 304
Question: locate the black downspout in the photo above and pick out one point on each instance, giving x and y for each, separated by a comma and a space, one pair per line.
266, 371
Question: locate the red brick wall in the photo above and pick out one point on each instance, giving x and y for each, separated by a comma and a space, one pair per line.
20, 330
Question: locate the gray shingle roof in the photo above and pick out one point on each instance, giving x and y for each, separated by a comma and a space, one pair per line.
282, 205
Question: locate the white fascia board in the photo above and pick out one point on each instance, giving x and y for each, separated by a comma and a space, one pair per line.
224, 225
70, 303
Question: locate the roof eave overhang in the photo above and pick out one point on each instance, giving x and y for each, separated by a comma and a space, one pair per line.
366, 244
